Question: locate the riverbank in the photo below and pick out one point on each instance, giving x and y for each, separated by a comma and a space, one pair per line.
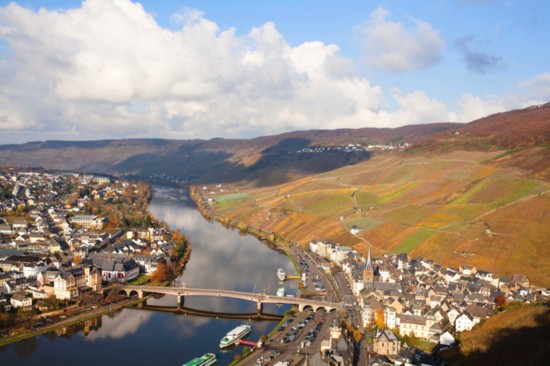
273, 239
71, 320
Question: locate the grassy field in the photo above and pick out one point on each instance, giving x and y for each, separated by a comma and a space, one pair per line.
231, 200
413, 240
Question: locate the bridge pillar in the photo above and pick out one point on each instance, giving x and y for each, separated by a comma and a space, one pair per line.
301, 307
140, 294
180, 300
259, 307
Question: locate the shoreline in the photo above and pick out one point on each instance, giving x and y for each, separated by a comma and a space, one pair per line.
100, 311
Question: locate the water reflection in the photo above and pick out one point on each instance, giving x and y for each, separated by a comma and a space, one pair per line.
222, 258
119, 325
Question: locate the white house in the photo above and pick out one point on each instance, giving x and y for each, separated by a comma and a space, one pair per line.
20, 300
464, 322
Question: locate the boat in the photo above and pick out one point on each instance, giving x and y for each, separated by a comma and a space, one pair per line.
205, 360
234, 335
281, 274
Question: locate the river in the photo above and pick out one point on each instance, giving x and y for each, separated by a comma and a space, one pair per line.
221, 258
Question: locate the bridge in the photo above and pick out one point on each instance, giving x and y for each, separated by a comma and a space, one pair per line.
258, 298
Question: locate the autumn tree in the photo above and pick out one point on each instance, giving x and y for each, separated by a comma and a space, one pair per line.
500, 301
357, 335
380, 318
161, 274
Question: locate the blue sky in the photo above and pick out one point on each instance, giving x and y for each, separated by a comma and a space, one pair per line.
202, 69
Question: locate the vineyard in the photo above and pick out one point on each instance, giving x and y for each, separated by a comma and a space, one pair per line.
455, 208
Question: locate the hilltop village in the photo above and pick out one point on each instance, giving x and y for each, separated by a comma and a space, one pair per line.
65, 237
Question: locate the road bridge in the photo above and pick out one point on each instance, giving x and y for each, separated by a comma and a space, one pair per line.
258, 298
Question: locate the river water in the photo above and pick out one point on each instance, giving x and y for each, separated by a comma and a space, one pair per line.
221, 258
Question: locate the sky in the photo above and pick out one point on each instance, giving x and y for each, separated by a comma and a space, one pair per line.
111, 69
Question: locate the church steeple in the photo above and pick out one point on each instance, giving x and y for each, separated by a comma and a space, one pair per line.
368, 273
369, 262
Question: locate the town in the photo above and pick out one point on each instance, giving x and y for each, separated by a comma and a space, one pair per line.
350, 148
65, 237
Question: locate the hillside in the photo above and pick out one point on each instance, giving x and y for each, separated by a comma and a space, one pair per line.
455, 208
518, 336
266, 160
516, 129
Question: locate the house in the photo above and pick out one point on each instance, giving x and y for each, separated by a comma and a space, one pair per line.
31, 270
6, 229
118, 268
390, 316
88, 221
446, 339
20, 300
464, 322
70, 282
409, 324
5, 306
386, 343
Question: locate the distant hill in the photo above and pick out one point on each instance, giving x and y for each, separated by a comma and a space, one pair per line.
522, 128
267, 159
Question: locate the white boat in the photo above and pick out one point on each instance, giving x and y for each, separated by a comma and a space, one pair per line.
205, 360
234, 335
281, 274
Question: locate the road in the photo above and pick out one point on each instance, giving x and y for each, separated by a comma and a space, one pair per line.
337, 289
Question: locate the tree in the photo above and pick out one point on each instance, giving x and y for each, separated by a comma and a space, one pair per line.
500, 301
380, 318
357, 335
161, 274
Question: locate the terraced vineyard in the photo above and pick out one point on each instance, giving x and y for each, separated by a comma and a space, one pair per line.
456, 208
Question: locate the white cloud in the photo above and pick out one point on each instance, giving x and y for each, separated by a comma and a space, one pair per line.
415, 108
109, 70
393, 46
533, 91
472, 107
537, 88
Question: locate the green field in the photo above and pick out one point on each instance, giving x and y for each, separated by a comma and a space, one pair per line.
366, 198
230, 200
328, 204
399, 192
364, 223
414, 240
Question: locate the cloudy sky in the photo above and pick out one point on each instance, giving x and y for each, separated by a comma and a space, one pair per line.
100, 69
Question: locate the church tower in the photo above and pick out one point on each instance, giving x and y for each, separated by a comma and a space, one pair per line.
368, 273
